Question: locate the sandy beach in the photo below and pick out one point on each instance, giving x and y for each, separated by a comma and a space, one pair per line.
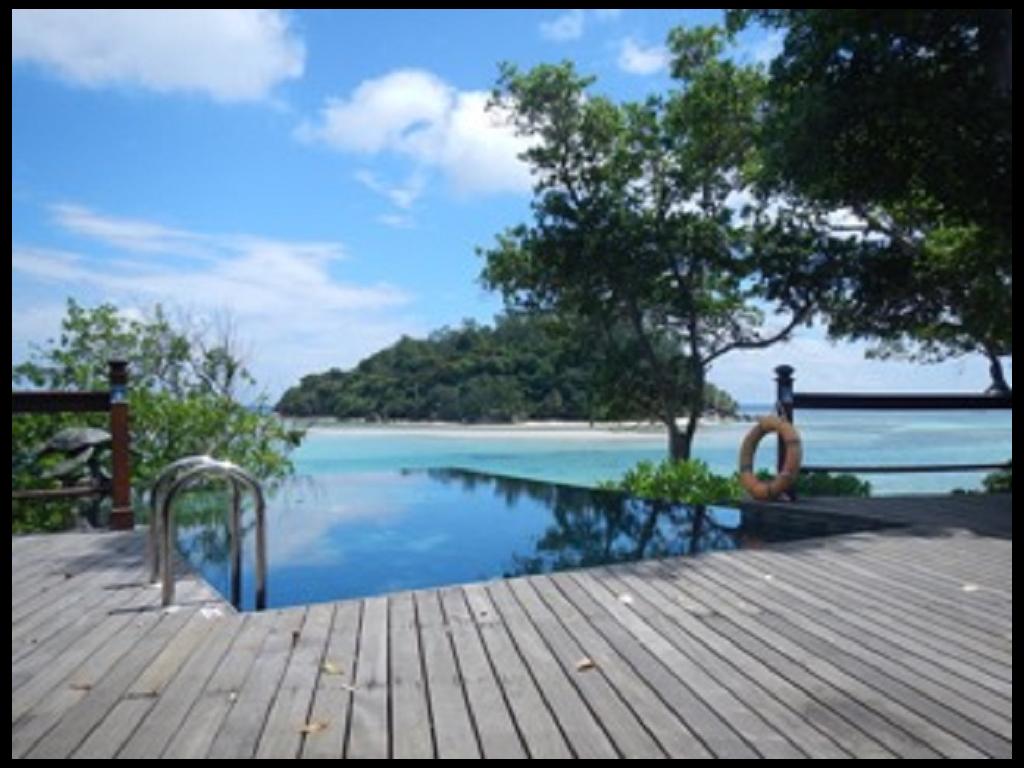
555, 430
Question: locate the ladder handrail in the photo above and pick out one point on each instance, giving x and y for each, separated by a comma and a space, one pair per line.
192, 470
156, 495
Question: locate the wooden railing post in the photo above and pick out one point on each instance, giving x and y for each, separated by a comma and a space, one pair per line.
784, 403
121, 515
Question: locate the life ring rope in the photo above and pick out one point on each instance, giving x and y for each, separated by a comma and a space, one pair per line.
784, 480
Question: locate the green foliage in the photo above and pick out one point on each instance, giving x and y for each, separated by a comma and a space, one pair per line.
181, 402
902, 117
683, 482
527, 366
824, 484
635, 227
998, 482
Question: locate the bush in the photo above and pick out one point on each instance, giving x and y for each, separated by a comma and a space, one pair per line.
823, 484
684, 482
998, 482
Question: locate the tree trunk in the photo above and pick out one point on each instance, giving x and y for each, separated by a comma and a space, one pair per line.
995, 371
678, 442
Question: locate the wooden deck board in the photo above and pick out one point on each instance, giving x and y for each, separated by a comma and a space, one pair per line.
892, 643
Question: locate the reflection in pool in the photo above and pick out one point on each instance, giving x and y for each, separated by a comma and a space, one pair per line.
354, 535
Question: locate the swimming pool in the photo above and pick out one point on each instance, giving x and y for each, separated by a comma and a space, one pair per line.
354, 535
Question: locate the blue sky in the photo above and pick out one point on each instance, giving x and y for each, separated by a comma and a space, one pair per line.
323, 177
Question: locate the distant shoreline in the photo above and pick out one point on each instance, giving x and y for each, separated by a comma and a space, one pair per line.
619, 430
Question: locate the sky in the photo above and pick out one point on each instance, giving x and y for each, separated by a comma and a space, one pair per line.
323, 178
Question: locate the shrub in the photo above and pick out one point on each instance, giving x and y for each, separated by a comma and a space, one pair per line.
684, 482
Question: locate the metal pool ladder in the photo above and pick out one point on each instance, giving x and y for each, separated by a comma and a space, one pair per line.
179, 476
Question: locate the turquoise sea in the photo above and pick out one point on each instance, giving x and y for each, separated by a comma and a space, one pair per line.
830, 438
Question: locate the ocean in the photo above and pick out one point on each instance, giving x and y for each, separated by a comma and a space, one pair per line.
581, 457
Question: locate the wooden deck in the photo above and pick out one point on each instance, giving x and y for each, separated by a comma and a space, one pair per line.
897, 643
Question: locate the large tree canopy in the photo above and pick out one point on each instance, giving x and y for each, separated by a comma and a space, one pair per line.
902, 119
645, 225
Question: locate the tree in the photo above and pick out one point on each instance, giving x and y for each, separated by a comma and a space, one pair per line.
181, 397
639, 228
902, 117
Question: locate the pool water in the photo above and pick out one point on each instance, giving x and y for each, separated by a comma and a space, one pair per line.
332, 537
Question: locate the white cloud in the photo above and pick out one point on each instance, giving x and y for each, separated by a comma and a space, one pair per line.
228, 55
572, 24
568, 26
638, 59
402, 195
396, 220
288, 303
415, 114
129, 234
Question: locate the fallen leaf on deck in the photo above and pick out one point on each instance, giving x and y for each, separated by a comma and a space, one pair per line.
314, 727
330, 668
81, 686
585, 664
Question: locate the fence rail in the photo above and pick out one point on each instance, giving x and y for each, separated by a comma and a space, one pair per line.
788, 401
113, 401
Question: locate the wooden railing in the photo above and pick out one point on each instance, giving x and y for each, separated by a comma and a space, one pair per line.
114, 401
788, 401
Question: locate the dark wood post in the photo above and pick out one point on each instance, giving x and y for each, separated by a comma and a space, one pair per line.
784, 404
121, 515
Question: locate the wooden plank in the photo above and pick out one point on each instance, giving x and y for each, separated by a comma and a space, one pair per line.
712, 731
952, 606
411, 734
240, 731
203, 722
53, 643
368, 734
809, 726
332, 698
583, 732
46, 401
116, 728
673, 735
787, 620
49, 711
883, 603
454, 732
43, 679
535, 722
851, 700
876, 643
171, 708
742, 718
622, 725
495, 727
289, 716
83, 717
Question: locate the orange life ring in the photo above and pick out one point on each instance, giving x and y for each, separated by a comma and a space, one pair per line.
759, 489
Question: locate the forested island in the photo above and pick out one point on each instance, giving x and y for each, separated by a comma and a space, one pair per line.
523, 367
